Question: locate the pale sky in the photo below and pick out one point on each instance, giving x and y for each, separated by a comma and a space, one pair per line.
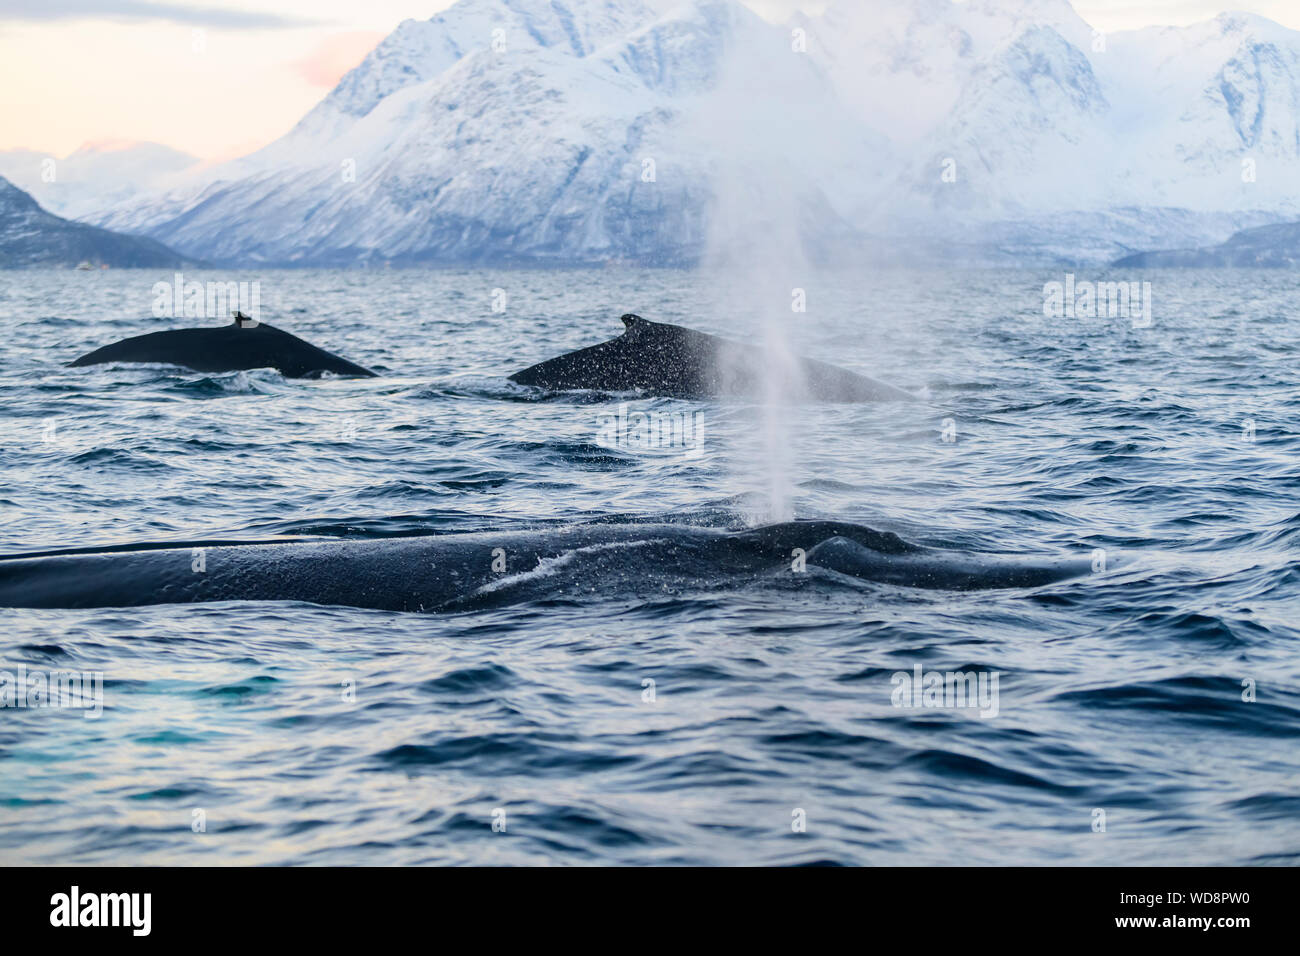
219, 78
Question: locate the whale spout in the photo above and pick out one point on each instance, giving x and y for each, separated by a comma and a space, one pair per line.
662, 359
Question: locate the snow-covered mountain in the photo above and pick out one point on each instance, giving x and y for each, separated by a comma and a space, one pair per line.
588, 130
96, 176
906, 63
1211, 112
555, 138
422, 50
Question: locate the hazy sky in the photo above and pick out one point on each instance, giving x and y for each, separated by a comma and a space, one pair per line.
218, 78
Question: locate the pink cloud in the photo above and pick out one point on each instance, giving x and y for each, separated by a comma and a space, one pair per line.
335, 55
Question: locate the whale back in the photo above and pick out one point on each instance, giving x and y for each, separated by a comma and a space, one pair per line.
669, 360
649, 356
229, 348
458, 571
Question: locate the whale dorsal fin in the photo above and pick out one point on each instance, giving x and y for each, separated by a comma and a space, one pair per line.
634, 322
244, 321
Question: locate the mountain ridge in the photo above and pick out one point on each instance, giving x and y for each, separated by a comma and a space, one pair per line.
1274, 246
31, 236
517, 131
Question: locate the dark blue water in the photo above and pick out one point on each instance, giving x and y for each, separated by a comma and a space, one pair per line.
1120, 694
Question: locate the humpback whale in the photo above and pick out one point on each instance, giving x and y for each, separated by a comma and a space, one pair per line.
444, 572
243, 344
662, 359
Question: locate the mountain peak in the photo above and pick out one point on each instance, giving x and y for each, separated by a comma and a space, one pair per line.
30, 236
1240, 23
13, 199
419, 50
108, 145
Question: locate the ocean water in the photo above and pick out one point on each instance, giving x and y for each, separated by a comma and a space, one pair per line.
1145, 714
